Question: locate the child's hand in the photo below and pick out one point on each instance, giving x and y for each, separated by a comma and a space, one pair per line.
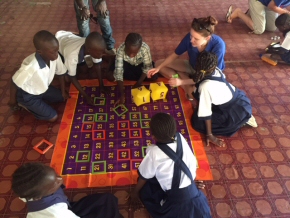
85, 13
105, 90
89, 100
174, 82
134, 201
121, 101
65, 95
216, 141
102, 6
199, 184
136, 85
152, 72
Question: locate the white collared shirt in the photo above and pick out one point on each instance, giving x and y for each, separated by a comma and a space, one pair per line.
59, 210
157, 163
213, 92
71, 48
34, 76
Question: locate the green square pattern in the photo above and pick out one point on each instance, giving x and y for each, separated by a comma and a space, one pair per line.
99, 162
85, 151
125, 111
133, 119
102, 101
86, 121
98, 115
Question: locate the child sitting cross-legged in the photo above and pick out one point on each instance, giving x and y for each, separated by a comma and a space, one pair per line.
166, 184
133, 61
41, 188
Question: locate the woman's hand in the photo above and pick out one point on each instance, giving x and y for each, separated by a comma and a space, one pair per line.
216, 141
152, 72
174, 82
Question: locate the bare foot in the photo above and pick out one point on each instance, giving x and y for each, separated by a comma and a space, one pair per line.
214, 140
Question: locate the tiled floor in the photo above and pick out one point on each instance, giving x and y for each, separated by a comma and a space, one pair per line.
251, 174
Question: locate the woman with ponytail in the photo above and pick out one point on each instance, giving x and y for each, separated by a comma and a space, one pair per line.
200, 38
223, 109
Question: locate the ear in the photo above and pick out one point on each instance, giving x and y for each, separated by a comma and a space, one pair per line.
208, 37
39, 51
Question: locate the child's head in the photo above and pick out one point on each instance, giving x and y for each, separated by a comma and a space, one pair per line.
205, 65
35, 180
46, 45
283, 23
163, 127
201, 30
95, 45
133, 44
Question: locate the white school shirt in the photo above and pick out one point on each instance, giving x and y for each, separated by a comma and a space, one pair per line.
213, 92
286, 42
34, 76
71, 48
157, 163
59, 210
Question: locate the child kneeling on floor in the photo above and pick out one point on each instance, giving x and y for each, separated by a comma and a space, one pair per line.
30, 86
41, 188
280, 52
166, 184
222, 108
133, 61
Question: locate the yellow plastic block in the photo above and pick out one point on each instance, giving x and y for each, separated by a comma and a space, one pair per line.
140, 95
158, 91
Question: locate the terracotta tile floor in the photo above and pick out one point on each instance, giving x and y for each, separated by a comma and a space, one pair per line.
251, 175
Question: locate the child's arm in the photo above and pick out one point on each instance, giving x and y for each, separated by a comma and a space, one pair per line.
139, 82
210, 137
76, 83
121, 100
133, 198
97, 69
13, 91
167, 61
64, 93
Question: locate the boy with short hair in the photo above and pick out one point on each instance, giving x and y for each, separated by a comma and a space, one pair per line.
78, 51
30, 86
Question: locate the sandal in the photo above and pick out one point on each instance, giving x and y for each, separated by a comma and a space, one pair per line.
229, 13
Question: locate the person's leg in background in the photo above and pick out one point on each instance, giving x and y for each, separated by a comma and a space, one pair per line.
105, 25
270, 20
83, 25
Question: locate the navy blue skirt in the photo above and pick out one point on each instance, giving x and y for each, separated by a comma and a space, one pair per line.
97, 205
228, 118
187, 202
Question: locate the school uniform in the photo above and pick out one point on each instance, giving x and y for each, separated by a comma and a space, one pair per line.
129, 68
58, 206
72, 49
170, 191
286, 45
227, 107
215, 45
34, 90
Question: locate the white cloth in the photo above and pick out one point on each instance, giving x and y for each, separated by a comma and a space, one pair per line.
286, 42
34, 76
213, 92
59, 210
69, 47
157, 163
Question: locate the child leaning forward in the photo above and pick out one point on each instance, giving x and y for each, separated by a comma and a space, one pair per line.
166, 184
133, 61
